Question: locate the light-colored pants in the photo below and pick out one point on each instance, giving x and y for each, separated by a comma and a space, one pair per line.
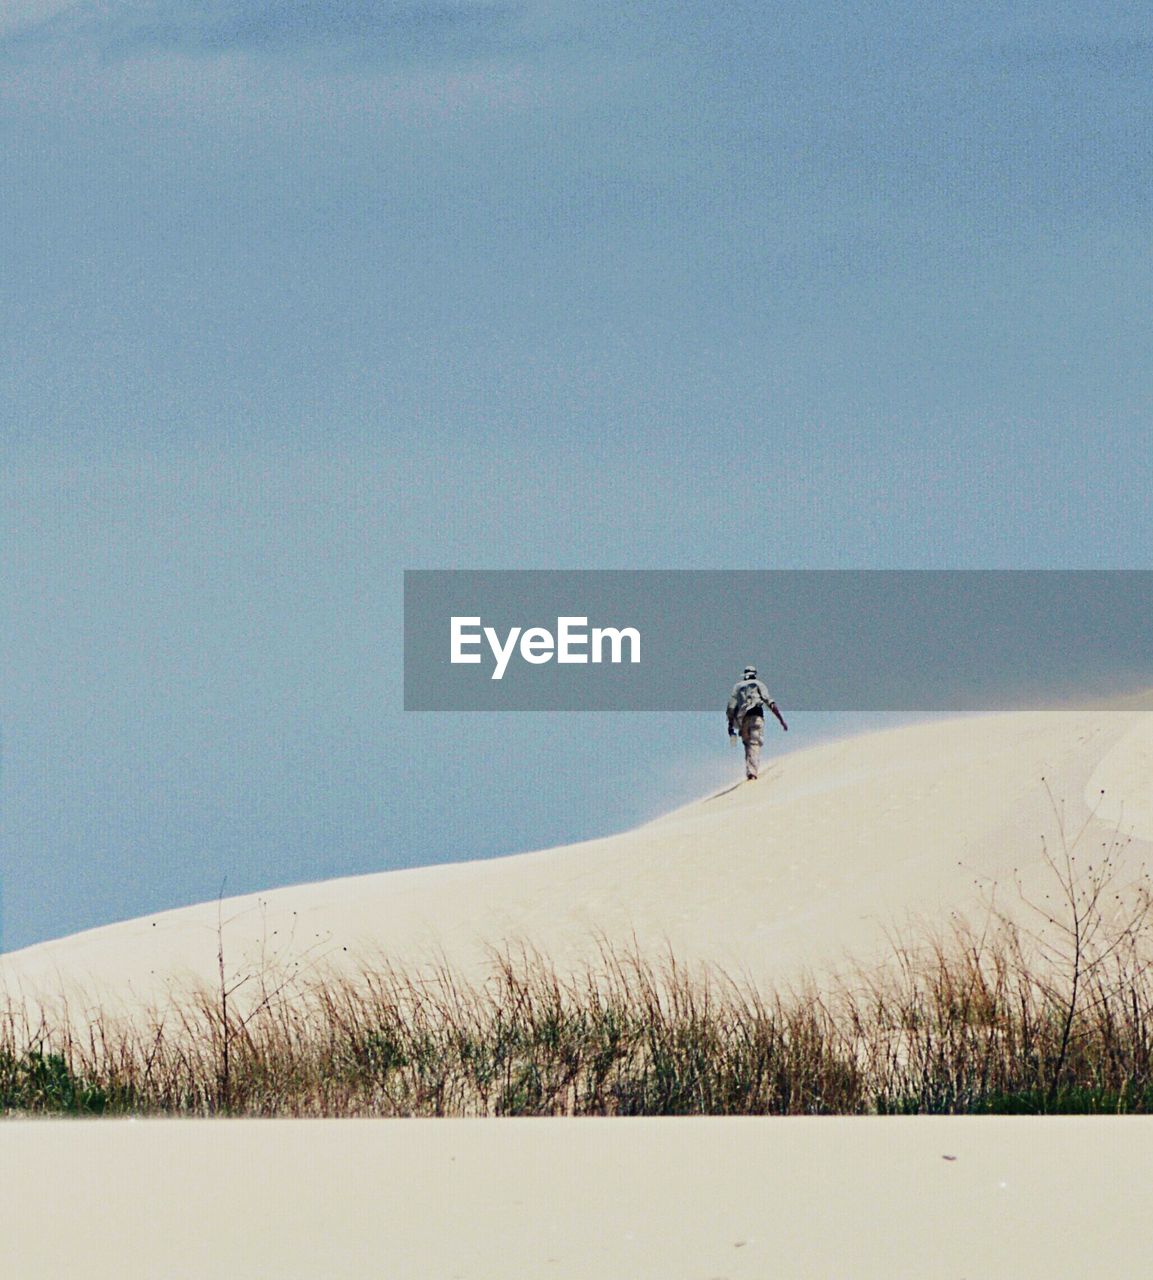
753, 736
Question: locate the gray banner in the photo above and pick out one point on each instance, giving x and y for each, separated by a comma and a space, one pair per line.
822, 640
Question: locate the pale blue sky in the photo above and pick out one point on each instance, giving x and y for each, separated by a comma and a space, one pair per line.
296, 295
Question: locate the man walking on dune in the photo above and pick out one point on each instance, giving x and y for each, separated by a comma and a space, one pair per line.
746, 713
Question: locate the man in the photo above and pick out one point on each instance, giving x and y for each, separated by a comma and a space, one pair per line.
746, 713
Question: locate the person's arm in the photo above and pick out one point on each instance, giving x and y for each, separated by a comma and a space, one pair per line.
777, 712
730, 712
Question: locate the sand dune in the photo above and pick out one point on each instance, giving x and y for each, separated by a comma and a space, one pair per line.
811, 863
807, 866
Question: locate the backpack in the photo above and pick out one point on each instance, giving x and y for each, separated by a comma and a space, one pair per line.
749, 699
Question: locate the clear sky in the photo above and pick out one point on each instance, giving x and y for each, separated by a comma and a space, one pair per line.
295, 294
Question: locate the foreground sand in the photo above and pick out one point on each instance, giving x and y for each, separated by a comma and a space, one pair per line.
812, 864
935, 1199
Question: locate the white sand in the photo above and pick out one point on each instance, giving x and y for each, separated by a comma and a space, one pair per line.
803, 868
813, 861
806, 1199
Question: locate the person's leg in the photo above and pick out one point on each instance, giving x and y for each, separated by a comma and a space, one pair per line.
753, 736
